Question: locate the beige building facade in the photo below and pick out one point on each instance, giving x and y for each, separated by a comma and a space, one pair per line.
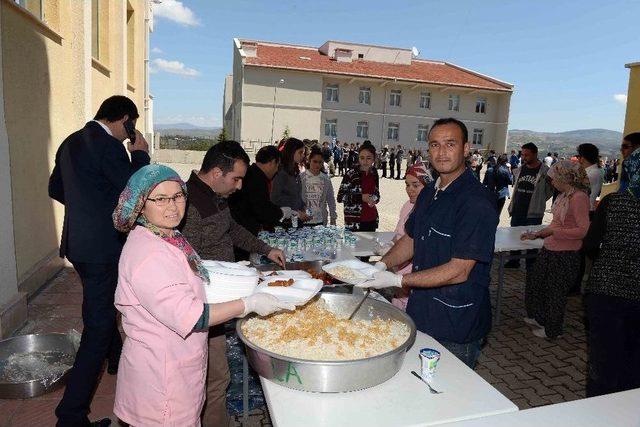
59, 60
354, 92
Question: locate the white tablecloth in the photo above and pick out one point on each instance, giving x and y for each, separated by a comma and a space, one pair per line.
401, 401
612, 410
508, 239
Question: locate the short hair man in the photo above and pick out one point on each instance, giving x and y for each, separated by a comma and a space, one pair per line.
531, 190
251, 206
91, 170
450, 238
212, 231
589, 157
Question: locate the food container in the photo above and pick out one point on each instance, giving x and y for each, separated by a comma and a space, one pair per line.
334, 376
53, 355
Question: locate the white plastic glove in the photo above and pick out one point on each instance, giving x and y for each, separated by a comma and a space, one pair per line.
264, 304
383, 279
286, 213
380, 266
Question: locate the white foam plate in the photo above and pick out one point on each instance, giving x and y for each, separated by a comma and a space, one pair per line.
362, 270
299, 293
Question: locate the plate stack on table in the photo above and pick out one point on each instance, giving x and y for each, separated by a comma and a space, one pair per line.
229, 281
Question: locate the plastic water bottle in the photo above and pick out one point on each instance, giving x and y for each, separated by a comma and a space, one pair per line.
294, 220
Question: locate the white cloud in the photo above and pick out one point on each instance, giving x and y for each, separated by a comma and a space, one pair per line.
621, 98
174, 10
173, 67
156, 50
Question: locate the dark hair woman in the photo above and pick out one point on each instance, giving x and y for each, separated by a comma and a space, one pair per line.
360, 192
286, 187
497, 178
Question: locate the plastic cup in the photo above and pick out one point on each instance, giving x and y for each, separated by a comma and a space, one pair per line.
429, 360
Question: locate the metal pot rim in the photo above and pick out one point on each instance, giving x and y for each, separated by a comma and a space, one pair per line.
402, 347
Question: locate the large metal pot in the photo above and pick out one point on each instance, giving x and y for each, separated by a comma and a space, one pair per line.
334, 376
59, 347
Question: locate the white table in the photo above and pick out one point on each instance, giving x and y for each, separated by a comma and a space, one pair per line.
507, 240
612, 410
401, 401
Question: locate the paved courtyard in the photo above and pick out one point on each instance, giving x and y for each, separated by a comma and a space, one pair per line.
528, 370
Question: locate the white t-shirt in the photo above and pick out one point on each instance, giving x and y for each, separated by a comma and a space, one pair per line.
548, 161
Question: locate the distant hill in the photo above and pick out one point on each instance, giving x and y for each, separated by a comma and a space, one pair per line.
565, 143
187, 129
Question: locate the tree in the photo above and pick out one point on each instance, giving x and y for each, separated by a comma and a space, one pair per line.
223, 136
287, 133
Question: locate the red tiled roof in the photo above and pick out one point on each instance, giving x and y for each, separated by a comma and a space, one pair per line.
422, 71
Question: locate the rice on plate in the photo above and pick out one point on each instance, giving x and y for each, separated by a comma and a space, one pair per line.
312, 332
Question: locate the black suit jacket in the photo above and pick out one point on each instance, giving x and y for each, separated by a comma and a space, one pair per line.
251, 207
92, 168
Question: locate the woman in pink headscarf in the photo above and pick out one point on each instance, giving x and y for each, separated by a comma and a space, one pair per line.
558, 263
416, 178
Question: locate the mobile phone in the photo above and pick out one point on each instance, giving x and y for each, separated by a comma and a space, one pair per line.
131, 130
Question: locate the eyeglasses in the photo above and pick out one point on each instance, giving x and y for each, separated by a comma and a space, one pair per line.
161, 202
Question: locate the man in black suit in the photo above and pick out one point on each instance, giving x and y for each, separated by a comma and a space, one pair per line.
251, 206
91, 170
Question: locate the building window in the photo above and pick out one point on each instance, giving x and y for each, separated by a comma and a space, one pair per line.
454, 102
330, 127
95, 29
361, 56
362, 130
331, 93
365, 95
425, 99
394, 100
477, 136
423, 130
131, 46
481, 105
392, 131
33, 6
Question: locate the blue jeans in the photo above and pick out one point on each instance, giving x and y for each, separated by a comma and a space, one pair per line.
468, 353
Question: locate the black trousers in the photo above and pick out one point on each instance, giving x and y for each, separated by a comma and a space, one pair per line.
100, 340
391, 169
399, 167
384, 169
613, 344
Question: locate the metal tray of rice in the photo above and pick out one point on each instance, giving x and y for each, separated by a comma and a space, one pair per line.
316, 348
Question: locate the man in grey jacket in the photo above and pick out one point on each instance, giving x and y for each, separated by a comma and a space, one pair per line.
531, 190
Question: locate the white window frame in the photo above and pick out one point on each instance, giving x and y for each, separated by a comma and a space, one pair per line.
425, 100
331, 127
23, 4
331, 93
481, 105
454, 102
393, 131
395, 98
423, 131
364, 97
478, 136
362, 130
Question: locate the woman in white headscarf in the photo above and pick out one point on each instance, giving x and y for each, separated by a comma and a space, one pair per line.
558, 263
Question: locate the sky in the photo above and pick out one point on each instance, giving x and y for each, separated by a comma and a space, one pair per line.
565, 58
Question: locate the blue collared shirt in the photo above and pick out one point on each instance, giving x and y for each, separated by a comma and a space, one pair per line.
457, 222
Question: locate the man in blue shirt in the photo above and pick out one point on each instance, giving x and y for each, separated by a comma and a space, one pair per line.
450, 237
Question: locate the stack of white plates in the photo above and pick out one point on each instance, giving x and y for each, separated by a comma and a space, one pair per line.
229, 281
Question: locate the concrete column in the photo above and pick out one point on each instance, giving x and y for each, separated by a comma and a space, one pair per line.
13, 304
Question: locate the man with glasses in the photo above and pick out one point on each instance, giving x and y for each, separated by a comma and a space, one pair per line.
630, 144
91, 170
211, 230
